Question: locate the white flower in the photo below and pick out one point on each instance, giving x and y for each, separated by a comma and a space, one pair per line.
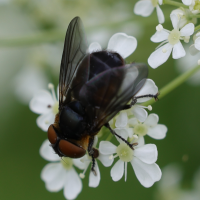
142, 159
60, 173
146, 7
184, 16
194, 5
106, 160
28, 81
46, 104
134, 127
171, 41
195, 48
188, 62
120, 42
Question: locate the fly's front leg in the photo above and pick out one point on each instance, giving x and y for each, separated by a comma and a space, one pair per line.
94, 153
114, 133
134, 100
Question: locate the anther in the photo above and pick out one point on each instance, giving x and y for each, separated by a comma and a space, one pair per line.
81, 175
111, 157
159, 27
164, 50
50, 86
149, 107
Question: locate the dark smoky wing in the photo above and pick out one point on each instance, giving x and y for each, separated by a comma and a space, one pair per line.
106, 94
75, 62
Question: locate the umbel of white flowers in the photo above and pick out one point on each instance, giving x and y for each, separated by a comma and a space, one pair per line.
131, 125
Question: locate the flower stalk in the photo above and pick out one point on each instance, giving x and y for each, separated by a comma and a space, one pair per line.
174, 3
174, 84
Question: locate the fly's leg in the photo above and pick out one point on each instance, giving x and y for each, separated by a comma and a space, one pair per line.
134, 100
114, 133
94, 153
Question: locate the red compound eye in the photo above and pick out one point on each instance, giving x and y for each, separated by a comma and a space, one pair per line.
52, 135
71, 150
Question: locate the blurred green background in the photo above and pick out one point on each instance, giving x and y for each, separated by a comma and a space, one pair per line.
38, 28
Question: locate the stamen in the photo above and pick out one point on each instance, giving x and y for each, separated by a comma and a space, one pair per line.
162, 43
149, 107
110, 157
51, 87
159, 27
164, 50
186, 39
82, 175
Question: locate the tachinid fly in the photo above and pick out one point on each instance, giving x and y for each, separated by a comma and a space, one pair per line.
93, 88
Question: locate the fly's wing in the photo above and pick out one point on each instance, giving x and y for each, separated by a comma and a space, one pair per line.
106, 94
74, 67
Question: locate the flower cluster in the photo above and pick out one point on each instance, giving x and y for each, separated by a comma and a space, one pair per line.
183, 21
130, 125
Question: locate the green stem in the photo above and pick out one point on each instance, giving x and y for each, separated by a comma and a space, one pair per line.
197, 28
174, 3
174, 84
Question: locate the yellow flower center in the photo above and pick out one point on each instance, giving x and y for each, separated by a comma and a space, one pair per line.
154, 2
174, 37
67, 162
124, 152
55, 108
140, 129
197, 5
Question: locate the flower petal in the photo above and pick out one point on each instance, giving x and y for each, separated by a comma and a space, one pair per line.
47, 152
197, 43
193, 50
159, 36
139, 112
140, 142
94, 180
147, 153
148, 88
78, 163
73, 184
187, 30
50, 171
178, 51
132, 122
152, 120
161, 17
123, 44
122, 132
187, 2
157, 132
45, 120
54, 176
147, 174
122, 120
174, 19
106, 160
117, 170
94, 47
157, 58
40, 101
143, 8
107, 148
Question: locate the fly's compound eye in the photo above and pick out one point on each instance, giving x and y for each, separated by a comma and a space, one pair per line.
52, 134
71, 150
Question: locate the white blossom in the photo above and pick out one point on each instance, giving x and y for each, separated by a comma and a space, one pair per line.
142, 159
106, 160
195, 48
194, 5
188, 62
184, 16
170, 42
120, 42
60, 173
45, 104
146, 7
